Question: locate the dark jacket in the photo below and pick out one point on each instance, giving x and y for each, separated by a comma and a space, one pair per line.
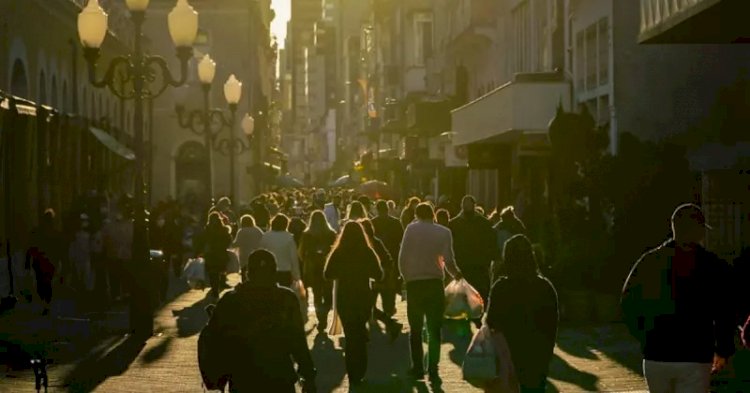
680, 314
474, 244
214, 244
314, 249
261, 331
525, 311
389, 230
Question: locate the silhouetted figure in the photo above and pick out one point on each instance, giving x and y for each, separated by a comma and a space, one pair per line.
523, 307
259, 330
248, 239
389, 230
216, 238
280, 243
45, 255
427, 249
380, 287
353, 263
672, 304
316, 244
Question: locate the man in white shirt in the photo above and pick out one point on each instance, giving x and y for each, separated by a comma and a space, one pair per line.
331, 210
426, 252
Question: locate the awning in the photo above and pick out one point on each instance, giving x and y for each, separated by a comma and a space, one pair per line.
112, 144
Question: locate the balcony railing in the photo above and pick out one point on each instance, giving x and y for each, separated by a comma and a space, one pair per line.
660, 15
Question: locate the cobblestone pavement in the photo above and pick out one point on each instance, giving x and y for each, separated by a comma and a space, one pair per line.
594, 358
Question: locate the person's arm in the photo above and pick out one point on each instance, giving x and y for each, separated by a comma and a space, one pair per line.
548, 315
376, 267
296, 275
632, 303
300, 350
331, 271
725, 323
496, 306
746, 333
236, 242
403, 252
449, 257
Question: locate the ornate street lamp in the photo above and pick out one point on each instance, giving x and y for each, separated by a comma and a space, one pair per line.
209, 122
139, 70
234, 146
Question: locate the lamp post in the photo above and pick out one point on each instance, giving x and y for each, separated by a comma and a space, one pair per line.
234, 146
139, 70
202, 121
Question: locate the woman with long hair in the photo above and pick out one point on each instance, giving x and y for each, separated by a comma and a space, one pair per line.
381, 287
354, 263
315, 245
523, 307
216, 239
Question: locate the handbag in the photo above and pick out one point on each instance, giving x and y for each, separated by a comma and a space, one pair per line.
336, 328
479, 367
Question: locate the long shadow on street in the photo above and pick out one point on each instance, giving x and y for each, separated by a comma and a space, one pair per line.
611, 340
103, 364
560, 370
191, 320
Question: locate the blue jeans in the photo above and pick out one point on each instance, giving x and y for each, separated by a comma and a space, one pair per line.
425, 302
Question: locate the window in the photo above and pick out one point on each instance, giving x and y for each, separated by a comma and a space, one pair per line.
592, 56
422, 38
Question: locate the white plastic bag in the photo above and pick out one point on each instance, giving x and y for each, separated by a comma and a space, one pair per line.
462, 301
195, 272
479, 367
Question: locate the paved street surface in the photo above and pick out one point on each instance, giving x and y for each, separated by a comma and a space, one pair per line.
599, 358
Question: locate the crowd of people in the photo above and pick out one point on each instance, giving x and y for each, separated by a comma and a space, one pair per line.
357, 255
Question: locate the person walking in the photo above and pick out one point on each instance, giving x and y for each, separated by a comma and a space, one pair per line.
216, 240
508, 226
258, 329
118, 248
353, 263
332, 212
426, 251
79, 254
408, 214
317, 241
356, 211
672, 303
382, 287
248, 239
44, 257
443, 217
280, 243
474, 243
523, 307
389, 230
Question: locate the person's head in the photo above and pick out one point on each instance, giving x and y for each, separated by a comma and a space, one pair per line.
508, 214
364, 200
352, 237
318, 223
391, 205
214, 219
468, 205
356, 211
279, 223
479, 210
518, 258
48, 218
337, 200
382, 207
412, 203
368, 228
247, 221
261, 268
425, 212
224, 204
443, 217
689, 224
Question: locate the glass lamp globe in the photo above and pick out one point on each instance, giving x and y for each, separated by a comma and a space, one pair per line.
206, 70
232, 90
248, 124
92, 25
183, 24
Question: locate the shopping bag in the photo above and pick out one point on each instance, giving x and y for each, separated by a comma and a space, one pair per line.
233, 262
335, 328
462, 301
299, 289
479, 367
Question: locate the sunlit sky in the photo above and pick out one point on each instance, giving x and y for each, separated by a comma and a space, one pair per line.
283, 13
